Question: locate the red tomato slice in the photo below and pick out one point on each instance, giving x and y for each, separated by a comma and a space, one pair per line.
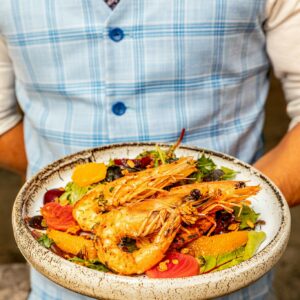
58, 217
175, 265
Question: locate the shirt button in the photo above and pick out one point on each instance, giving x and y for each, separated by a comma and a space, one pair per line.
119, 108
116, 34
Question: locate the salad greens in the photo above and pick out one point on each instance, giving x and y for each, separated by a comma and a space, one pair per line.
246, 216
226, 260
45, 241
73, 192
207, 170
92, 264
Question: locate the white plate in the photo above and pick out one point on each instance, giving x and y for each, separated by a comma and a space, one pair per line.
269, 202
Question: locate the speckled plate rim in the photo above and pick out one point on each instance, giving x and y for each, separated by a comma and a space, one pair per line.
111, 286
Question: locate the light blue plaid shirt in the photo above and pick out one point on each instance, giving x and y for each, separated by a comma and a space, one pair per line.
87, 75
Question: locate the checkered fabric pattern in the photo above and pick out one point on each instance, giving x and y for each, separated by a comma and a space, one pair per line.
194, 64
87, 75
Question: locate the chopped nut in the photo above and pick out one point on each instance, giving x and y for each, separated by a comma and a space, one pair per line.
130, 163
185, 250
162, 266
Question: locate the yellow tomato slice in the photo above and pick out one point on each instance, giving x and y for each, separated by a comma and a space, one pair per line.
89, 173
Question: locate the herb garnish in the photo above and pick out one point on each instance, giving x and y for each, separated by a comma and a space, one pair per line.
45, 241
92, 264
247, 217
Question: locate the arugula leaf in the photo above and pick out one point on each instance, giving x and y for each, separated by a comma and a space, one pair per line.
73, 192
228, 173
247, 217
98, 266
45, 241
92, 264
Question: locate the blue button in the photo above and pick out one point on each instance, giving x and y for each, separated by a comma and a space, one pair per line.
116, 34
119, 108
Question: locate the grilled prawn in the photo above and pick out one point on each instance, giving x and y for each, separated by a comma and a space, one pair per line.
131, 188
154, 223
151, 223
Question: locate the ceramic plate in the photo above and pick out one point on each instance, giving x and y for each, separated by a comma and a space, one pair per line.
269, 202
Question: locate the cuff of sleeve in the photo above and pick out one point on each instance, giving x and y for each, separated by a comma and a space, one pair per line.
9, 122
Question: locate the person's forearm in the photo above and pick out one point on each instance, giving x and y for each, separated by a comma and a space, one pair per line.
282, 165
12, 150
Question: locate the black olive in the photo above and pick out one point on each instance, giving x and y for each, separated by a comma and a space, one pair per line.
195, 194
240, 185
113, 173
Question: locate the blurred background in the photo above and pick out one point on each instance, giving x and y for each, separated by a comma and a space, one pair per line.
14, 282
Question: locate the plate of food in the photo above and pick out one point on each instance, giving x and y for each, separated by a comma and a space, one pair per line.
146, 220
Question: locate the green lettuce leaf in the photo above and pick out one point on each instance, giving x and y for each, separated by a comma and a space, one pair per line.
205, 165
45, 241
223, 261
255, 238
228, 173
247, 217
74, 192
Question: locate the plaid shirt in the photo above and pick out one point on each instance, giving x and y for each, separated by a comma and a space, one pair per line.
87, 76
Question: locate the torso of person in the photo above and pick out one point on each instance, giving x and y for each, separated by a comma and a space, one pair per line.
87, 75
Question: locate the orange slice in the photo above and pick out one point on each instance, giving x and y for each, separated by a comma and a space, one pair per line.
218, 244
89, 173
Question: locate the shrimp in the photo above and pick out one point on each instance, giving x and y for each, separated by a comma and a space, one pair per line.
154, 223
151, 222
227, 189
131, 188
211, 197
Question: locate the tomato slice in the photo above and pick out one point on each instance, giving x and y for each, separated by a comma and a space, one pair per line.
175, 265
58, 217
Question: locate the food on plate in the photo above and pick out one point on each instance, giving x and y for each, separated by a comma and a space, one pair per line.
218, 252
59, 217
131, 188
87, 174
175, 265
153, 224
155, 214
73, 244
